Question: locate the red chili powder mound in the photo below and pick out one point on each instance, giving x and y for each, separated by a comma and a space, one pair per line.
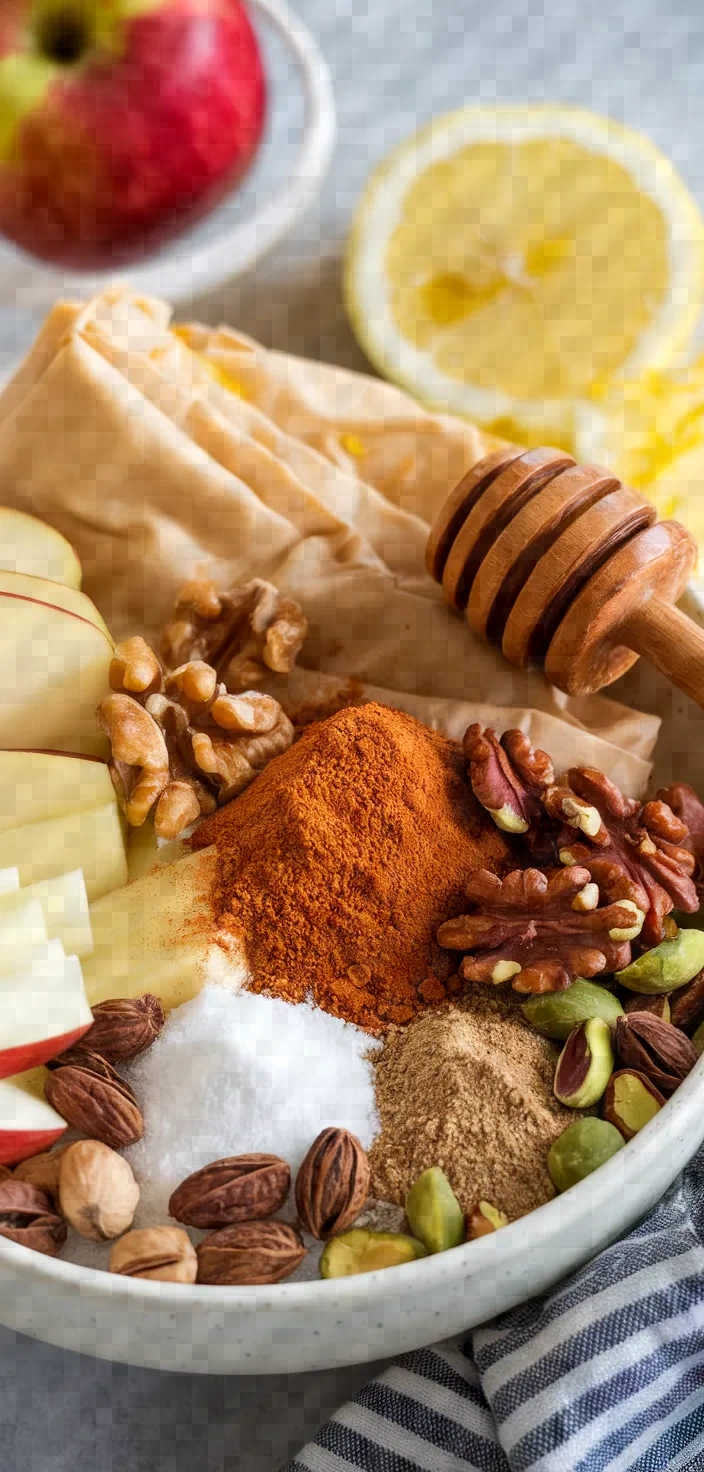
339, 863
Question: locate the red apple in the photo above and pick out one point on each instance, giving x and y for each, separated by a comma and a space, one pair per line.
43, 1009
27, 1124
121, 121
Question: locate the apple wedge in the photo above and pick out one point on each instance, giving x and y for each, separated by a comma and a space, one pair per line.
54, 595
36, 785
64, 903
22, 929
156, 935
92, 841
42, 1012
55, 672
9, 881
31, 546
145, 850
27, 1124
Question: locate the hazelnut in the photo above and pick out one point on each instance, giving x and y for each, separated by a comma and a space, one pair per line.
98, 1193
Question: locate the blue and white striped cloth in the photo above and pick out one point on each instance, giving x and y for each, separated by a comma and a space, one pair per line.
603, 1374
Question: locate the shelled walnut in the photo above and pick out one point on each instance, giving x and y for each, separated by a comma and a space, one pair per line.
244, 633
182, 744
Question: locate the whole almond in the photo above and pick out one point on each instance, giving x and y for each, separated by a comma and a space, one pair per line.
241, 1188
251, 1252
98, 1193
91, 1097
28, 1216
125, 1027
332, 1185
163, 1254
648, 1045
42, 1170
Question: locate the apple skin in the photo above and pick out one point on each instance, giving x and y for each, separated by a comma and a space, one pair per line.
106, 158
16, 1145
31, 1055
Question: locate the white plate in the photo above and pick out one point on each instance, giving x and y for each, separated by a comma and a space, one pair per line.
284, 180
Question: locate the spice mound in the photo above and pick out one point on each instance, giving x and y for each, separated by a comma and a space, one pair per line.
468, 1087
339, 863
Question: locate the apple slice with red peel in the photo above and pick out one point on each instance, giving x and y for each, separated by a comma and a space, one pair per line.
31, 546
27, 1124
64, 902
43, 1011
55, 595
56, 670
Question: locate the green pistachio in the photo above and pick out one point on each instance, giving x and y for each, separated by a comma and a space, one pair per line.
698, 1038
434, 1213
585, 1064
667, 967
584, 1146
363, 1251
556, 1013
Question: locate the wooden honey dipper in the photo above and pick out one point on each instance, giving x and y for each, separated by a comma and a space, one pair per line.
563, 567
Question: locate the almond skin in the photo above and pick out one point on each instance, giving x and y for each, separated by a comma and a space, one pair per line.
241, 1188
662, 1052
91, 1097
332, 1185
28, 1216
251, 1252
124, 1027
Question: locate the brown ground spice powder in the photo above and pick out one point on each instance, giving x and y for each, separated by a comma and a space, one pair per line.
468, 1087
340, 862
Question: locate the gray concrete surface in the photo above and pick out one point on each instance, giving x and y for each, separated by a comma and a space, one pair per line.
395, 64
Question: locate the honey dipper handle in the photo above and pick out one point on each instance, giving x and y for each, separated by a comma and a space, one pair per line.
672, 642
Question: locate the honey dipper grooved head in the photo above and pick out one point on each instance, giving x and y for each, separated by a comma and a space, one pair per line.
556, 564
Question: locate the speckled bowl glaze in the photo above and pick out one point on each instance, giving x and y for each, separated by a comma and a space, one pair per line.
316, 1326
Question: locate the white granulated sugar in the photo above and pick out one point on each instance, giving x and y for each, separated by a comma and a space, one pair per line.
237, 1073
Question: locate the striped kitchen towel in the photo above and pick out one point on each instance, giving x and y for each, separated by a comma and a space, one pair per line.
603, 1374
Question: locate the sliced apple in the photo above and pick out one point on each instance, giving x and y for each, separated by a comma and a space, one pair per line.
156, 935
64, 903
22, 930
36, 785
55, 672
9, 881
92, 841
145, 850
54, 595
31, 546
27, 1124
42, 1012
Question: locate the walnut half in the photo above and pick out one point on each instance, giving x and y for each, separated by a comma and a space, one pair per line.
183, 745
243, 633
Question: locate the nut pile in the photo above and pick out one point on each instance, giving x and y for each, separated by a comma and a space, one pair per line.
188, 739
87, 1185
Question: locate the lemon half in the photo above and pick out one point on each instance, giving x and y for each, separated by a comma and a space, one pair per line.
508, 263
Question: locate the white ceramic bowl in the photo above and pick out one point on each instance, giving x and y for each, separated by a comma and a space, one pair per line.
283, 181
315, 1326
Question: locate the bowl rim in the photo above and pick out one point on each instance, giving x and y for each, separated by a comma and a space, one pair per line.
180, 274
564, 1212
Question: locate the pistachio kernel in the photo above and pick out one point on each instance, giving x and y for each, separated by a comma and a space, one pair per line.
556, 1013
484, 1220
363, 1251
698, 1039
585, 1064
668, 966
631, 1101
434, 1213
581, 1149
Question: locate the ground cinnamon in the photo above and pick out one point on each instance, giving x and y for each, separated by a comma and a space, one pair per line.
338, 864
